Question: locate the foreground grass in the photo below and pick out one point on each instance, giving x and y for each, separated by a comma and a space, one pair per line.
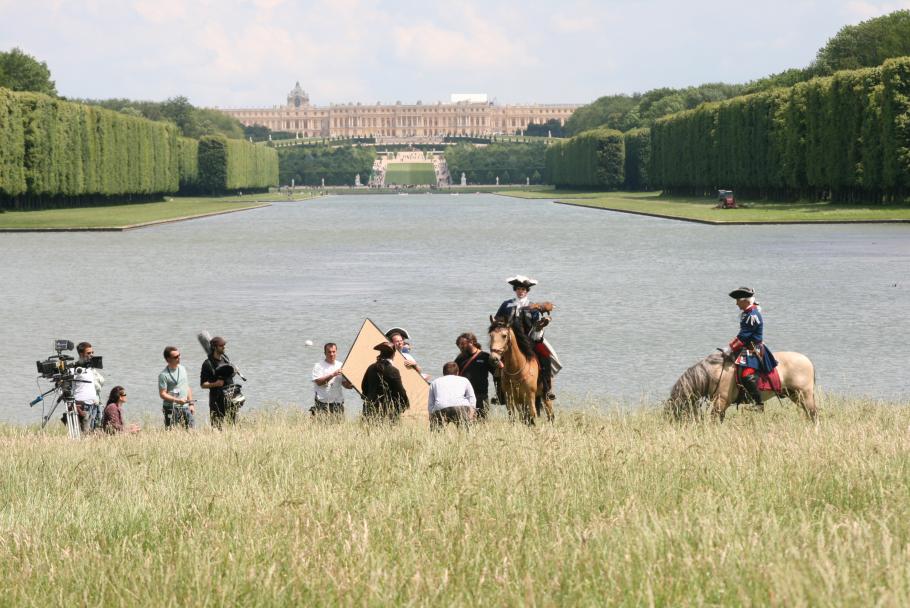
117, 216
706, 210
598, 509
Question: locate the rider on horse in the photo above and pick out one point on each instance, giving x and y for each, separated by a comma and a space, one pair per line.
752, 357
533, 318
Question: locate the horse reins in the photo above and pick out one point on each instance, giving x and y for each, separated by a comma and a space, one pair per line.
501, 351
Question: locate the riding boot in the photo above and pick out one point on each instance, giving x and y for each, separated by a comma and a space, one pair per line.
546, 377
750, 384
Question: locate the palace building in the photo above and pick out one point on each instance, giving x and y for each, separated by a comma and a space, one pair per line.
465, 115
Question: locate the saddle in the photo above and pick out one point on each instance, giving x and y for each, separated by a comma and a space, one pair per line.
770, 381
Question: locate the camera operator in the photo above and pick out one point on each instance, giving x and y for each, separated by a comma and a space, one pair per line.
175, 392
88, 382
215, 375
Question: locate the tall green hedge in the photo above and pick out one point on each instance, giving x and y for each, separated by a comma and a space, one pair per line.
638, 159
54, 152
591, 159
845, 137
231, 164
188, 163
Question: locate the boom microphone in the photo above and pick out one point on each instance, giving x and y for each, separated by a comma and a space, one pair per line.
205, 339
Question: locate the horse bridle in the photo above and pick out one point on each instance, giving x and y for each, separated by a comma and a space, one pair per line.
501, 351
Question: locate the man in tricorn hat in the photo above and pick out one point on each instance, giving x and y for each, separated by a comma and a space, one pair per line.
384, 396
750, 354
532, 317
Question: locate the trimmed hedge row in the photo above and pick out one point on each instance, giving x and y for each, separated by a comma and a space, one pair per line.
188, 163
638, 159
52, 150
591, 159
231, 164
59, 153
845, 137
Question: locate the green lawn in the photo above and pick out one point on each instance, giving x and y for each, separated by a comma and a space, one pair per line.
410, 174
115, 216
705, 209
601, 508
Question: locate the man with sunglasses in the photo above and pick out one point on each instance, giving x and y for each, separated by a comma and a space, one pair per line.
87, 389
175, 392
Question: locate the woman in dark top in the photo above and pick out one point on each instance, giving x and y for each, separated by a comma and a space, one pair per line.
112, 419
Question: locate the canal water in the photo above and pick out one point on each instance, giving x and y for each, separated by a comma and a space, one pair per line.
637, 299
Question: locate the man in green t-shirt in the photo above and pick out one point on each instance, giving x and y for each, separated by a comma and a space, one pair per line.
176, 394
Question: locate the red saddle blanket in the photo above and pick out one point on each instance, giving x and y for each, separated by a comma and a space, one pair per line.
770, 382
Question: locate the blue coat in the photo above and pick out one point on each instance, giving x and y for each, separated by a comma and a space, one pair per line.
509, 309
751, 333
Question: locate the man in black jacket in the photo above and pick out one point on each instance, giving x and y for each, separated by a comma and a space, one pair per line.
215, 375
384, 396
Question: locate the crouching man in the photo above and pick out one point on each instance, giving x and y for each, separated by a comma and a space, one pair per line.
451, 399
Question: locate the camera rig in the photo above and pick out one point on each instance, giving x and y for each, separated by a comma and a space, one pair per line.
63, 370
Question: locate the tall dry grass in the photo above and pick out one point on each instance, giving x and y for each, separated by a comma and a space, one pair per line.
620, 508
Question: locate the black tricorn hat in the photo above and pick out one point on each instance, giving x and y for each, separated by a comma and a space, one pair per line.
742, 293
385, 349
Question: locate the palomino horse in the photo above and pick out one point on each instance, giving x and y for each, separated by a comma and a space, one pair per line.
520, 370
713, 379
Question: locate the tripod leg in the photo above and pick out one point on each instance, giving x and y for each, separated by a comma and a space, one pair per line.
72, 421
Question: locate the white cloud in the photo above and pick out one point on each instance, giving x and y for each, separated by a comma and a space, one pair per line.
570, 25
863, 10
160, 11
478, 44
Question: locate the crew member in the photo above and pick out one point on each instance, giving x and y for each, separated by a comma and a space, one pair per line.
750, 354
112, 419
533, 320
384, 396
175, 392
451, 398
475, 365
399, 339
216, 374
328, 383
87, 389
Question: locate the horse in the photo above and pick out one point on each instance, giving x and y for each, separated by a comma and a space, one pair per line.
519, 374
714, 379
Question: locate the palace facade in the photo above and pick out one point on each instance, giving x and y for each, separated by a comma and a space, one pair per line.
471, 117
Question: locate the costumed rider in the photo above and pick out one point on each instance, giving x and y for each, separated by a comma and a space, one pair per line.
747, 349
534, 317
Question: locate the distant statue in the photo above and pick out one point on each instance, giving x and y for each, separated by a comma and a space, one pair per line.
270, 137
323, 182
357, 180
549, 134
497, 180
464, 180
527, 181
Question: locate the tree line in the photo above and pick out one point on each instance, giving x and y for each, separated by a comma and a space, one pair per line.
843, 138
511, 163
338, 166
60, 153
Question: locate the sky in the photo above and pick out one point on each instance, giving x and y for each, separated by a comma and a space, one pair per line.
249, 53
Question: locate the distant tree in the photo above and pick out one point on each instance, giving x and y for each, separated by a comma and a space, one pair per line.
257, 132
865, 44
22, 72
193, 122
550, 128
615, 111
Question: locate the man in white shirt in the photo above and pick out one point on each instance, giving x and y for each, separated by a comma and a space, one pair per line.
328, 384
87, 384
451, 398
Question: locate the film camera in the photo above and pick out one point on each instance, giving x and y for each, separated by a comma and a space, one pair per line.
63, 370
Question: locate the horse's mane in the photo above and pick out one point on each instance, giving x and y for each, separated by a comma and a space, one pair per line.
696, 382
524, 342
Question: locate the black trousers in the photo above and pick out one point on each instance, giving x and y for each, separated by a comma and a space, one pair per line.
220, 410
459, 415
328, 409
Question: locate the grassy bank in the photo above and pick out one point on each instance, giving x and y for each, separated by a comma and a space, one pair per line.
117, 216
599, 509
705, 209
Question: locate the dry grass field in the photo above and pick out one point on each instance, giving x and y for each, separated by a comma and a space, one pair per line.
604, 507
